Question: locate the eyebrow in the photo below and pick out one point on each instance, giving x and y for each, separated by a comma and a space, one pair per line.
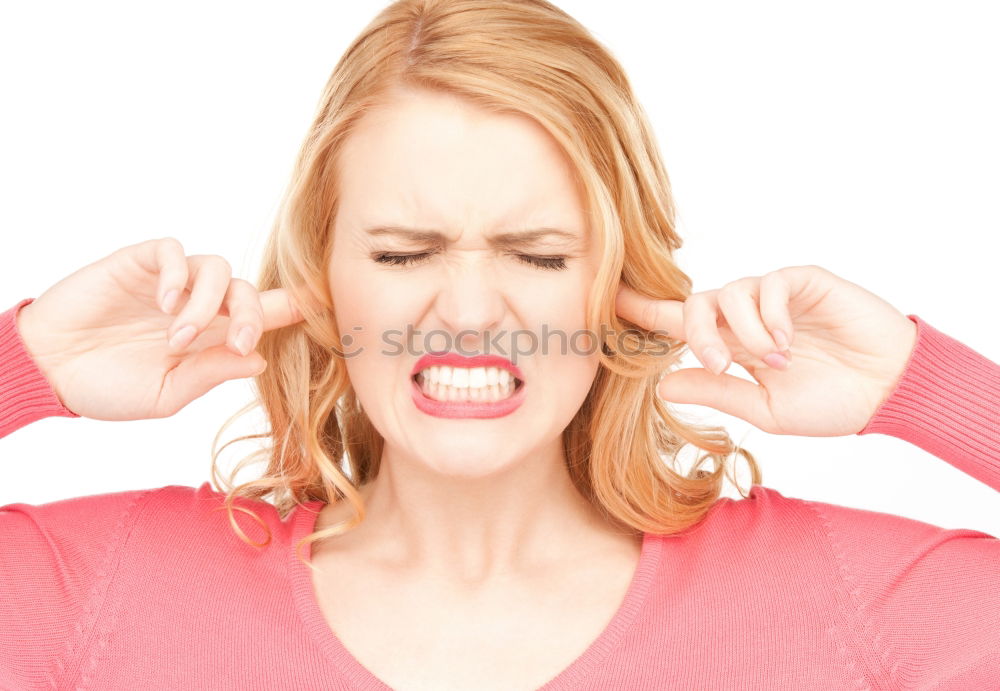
503, 240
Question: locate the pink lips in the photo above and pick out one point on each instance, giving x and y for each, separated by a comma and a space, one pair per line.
467, 409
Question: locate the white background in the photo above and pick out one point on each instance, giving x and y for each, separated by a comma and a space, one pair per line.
860, 136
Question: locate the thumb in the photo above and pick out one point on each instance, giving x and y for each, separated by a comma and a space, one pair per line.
724, 392
200, 373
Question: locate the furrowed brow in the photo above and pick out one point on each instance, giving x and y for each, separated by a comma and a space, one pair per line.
505, 240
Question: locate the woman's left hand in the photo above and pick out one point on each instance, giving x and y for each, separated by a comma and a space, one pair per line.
848, 349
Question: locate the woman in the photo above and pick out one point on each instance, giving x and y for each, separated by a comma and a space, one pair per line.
479, 174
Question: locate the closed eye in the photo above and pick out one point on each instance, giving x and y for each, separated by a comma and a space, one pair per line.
553, 263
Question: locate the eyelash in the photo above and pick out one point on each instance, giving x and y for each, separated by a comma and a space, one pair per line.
551, 263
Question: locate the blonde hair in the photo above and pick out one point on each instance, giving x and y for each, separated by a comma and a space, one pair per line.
507, 56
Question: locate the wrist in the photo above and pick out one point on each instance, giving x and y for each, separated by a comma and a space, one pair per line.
28, 332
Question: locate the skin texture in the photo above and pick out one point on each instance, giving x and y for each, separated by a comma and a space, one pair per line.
466, 501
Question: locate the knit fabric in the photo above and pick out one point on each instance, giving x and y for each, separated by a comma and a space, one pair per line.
152, 589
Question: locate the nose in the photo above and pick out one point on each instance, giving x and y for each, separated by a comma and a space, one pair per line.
469, 304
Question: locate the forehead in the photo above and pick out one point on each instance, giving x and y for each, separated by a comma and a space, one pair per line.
433, 159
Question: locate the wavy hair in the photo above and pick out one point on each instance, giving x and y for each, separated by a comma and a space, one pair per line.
507, 56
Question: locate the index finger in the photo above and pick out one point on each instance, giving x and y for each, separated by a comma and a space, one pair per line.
279, 309
651, 314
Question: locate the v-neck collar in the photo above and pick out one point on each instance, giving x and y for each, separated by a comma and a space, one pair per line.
572, 677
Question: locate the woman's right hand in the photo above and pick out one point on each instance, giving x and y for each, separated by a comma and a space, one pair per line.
101, 336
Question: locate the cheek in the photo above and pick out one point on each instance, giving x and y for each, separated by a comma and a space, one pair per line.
563, 309
362, 319
366, 305
375, 346
575, 354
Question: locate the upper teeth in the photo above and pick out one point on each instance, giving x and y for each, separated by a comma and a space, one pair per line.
463, 377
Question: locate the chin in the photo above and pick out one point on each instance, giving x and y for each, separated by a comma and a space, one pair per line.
472, 461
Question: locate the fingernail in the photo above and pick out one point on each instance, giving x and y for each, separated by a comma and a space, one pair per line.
181, 338
244, 340
713, 358
776, 360
169, 300
780, 339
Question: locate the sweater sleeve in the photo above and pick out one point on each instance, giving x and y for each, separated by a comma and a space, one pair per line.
947, 402
57, 559
57, 563
921, 603
25, 394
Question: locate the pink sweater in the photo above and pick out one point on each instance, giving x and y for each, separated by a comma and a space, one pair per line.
151, 589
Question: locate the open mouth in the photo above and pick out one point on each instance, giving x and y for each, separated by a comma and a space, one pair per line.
476, 394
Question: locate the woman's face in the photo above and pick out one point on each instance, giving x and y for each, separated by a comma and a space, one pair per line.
433, 162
